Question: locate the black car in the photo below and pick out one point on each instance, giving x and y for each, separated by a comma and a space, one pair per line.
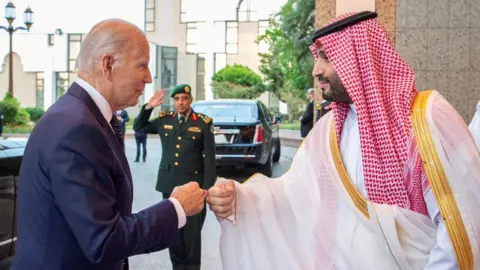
245, 133
11, 154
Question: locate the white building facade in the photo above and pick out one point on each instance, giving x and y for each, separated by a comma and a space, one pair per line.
189, 41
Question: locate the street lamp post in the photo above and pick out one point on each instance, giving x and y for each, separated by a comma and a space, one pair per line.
10, 15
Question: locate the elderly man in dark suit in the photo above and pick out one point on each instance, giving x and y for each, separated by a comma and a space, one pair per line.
75, 194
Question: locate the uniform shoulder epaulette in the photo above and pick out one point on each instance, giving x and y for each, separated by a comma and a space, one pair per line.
205, 118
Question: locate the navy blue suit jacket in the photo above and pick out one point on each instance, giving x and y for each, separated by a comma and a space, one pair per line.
75, 195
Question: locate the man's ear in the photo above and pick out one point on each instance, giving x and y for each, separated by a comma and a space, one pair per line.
107, 66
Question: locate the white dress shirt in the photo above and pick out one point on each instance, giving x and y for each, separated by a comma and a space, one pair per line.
442, 255
106, 111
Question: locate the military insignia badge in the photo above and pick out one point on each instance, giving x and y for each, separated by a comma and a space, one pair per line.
212, 129
187, 89
207, 119
194, 129
168, 127
161, 114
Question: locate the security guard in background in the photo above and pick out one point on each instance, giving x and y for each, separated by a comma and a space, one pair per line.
188, 155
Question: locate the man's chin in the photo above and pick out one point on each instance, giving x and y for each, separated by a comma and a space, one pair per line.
327, 96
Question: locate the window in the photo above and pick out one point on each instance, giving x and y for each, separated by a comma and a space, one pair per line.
61, 83
51, 39
39, 89
231, 44
169, 67
192, 38
266, 112
149, 15
74, 44
262, 28
246, 13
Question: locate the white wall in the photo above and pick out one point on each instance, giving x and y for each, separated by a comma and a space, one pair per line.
33, 50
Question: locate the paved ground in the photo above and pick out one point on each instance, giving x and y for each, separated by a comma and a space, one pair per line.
144, 177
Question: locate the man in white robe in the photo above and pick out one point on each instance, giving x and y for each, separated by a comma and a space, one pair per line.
475, 126
389, 179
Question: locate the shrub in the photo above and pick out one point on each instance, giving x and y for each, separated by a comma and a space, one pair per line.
35, 113
22, 118
237, 81
10, 107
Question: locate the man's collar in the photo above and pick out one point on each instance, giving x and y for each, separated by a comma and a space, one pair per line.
186, 115
353, 107
99, 100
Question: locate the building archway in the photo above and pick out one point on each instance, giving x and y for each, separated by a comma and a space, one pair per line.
24, 83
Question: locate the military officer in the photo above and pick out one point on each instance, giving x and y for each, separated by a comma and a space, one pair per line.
188, 155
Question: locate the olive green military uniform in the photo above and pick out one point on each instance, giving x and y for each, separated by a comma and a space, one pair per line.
188, 154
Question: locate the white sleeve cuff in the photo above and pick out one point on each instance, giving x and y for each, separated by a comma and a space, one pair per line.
182, 218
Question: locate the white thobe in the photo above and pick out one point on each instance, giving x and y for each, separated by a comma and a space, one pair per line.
475, 126
442, 255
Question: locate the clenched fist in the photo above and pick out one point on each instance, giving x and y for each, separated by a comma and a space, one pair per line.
220, 198
191, 197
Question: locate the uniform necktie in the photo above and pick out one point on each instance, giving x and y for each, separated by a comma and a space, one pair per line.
182, 120
116, 129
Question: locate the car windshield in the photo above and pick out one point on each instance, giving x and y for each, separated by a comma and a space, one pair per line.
227, 110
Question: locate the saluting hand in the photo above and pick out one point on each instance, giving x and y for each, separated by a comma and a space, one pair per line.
191, 197
157, 98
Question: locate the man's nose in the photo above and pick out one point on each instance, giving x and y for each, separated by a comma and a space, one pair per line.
148, 77
317, 69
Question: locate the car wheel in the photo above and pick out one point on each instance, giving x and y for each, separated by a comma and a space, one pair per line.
267, 168
277, 153
6, 264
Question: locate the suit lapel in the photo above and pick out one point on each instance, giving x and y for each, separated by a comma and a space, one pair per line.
80, 93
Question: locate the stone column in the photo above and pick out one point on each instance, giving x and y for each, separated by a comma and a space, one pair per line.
386, 10
324, 12
49, 80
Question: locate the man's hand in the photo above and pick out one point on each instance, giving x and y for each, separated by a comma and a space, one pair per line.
220, 198
191, 197
156, 99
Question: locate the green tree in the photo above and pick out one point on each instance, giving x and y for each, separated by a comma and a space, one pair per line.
288, 64
237, 81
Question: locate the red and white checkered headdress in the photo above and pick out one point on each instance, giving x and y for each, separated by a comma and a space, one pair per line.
382, 86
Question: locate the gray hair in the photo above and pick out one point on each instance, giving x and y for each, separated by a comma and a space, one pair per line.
108, 36
311, 90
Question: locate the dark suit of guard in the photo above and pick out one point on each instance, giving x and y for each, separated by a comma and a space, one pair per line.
306, 123
188, 154
75, 195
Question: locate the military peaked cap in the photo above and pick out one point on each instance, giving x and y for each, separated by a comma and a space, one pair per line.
182, 88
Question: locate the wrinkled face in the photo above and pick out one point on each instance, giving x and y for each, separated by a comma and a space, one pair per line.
131, 73
330, 83
182, 102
